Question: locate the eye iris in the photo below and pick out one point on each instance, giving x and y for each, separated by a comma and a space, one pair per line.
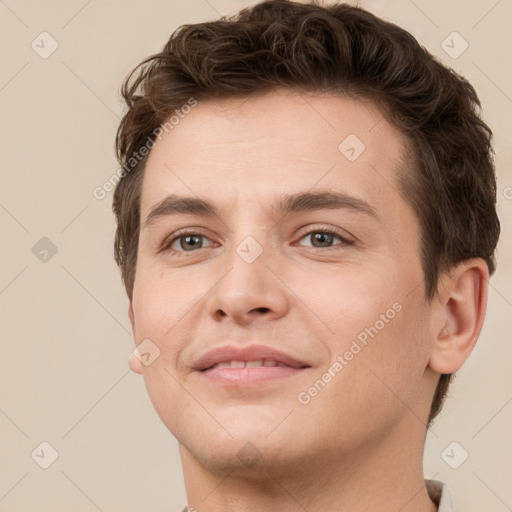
197, 238
322, 238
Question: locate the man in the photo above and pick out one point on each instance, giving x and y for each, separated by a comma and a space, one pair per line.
306, 229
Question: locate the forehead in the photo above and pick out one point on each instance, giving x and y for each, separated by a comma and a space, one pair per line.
252, 150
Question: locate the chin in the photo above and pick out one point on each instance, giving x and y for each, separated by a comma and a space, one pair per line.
247, 458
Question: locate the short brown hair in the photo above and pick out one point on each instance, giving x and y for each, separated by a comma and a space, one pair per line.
339, 49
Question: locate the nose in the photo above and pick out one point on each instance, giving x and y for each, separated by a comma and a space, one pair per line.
248, 291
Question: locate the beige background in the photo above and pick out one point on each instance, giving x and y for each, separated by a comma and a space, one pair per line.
65, 337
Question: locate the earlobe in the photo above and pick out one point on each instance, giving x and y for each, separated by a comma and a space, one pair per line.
464, 300
135, 365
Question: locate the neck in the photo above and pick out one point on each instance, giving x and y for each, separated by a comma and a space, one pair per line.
383, 476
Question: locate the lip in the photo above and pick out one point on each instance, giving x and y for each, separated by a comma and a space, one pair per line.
248, 353
248, 376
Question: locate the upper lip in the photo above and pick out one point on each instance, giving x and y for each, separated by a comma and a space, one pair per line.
249, 353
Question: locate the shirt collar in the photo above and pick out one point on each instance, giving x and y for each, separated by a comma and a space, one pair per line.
440, 495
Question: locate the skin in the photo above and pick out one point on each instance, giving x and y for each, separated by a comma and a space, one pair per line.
365, 430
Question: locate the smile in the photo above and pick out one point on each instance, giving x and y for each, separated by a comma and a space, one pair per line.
248, 364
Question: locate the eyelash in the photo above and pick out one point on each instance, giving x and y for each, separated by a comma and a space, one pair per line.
166, 244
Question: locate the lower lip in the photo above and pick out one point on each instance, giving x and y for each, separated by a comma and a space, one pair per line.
239, 377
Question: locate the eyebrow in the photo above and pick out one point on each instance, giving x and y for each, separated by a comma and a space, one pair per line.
288, 203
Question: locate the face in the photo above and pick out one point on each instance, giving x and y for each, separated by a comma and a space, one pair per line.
307, 248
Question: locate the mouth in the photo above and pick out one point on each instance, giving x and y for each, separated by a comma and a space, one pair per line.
241, 374
261, 363
235, 366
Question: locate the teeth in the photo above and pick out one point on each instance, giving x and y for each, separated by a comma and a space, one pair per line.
247, 364
222, 365
254, 364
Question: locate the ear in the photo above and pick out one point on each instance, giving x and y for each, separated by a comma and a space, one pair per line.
462, 304
135, 364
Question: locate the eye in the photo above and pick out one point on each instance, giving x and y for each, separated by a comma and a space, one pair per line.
324, 237
185, 242
190, 241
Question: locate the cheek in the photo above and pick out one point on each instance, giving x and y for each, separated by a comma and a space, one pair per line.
349, 300
161, 301
164, 311
395, 356
380, 378
376, 327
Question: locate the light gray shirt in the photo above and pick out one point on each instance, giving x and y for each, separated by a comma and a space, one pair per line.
438, 492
